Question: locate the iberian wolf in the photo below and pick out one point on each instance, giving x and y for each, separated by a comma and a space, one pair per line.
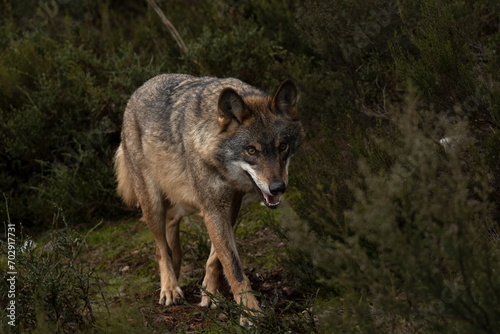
198, 145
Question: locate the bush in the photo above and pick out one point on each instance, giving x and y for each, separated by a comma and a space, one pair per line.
350, 83
54, 289
419, 251
451, 58
384, 248
244, 52
60, 121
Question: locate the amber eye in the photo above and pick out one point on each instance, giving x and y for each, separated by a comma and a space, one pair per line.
283, 146
251, 150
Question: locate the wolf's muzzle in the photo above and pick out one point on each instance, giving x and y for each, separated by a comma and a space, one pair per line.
277, 188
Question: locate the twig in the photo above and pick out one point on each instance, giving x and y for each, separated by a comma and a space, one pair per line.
169, 26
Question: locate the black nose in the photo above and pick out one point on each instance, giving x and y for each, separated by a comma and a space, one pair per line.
277, 187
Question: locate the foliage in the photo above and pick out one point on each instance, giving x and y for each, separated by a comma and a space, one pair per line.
54, 289
60, 123
350, 83
452, 60
237, 53
420, 248
293, 318
393, 215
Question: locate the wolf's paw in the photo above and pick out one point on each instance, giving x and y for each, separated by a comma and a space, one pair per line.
245, 322
171, 297
207, 302
252, 310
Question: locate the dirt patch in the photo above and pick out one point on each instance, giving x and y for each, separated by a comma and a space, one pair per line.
192, 318
126, 251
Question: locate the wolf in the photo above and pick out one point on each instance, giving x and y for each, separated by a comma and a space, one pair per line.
198, 144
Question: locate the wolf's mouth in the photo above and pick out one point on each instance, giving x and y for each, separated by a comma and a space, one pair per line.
270, 201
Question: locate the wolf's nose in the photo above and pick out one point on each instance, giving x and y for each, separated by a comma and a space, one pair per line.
277, 188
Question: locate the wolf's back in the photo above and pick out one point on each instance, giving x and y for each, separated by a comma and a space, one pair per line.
169, 104
169, 110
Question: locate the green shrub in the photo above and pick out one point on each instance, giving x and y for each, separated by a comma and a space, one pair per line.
54, 289
350, 81
350, 41
273, 318
60, 121
244, 52
382, 250
451, 57
420, 251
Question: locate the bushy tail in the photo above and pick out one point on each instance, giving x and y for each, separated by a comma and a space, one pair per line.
125, 187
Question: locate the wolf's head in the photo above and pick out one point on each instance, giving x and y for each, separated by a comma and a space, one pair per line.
260, 135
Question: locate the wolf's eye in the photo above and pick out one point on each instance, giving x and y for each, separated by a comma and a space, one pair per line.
283, 147
251, 150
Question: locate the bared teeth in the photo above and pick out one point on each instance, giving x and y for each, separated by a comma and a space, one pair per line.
271, 204
268, 202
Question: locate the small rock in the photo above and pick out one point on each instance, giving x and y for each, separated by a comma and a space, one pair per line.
267, 286
48, 247
124, 269
288, 290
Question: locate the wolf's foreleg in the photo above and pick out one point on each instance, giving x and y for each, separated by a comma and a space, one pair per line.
222, 237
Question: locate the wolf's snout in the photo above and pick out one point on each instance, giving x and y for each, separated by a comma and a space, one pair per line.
277, 188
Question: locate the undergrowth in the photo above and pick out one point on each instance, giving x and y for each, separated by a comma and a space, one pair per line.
56, 289
420, 248
106, 279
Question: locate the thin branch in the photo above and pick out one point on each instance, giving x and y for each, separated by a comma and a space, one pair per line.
169, 26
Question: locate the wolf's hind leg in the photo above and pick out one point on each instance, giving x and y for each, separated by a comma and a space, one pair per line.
170, 293
154, 209
173, 220
212, 279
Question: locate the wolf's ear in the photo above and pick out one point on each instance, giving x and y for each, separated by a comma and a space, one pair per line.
232, 109
285, 99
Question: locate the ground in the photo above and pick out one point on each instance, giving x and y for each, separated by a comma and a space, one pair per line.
123, 254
